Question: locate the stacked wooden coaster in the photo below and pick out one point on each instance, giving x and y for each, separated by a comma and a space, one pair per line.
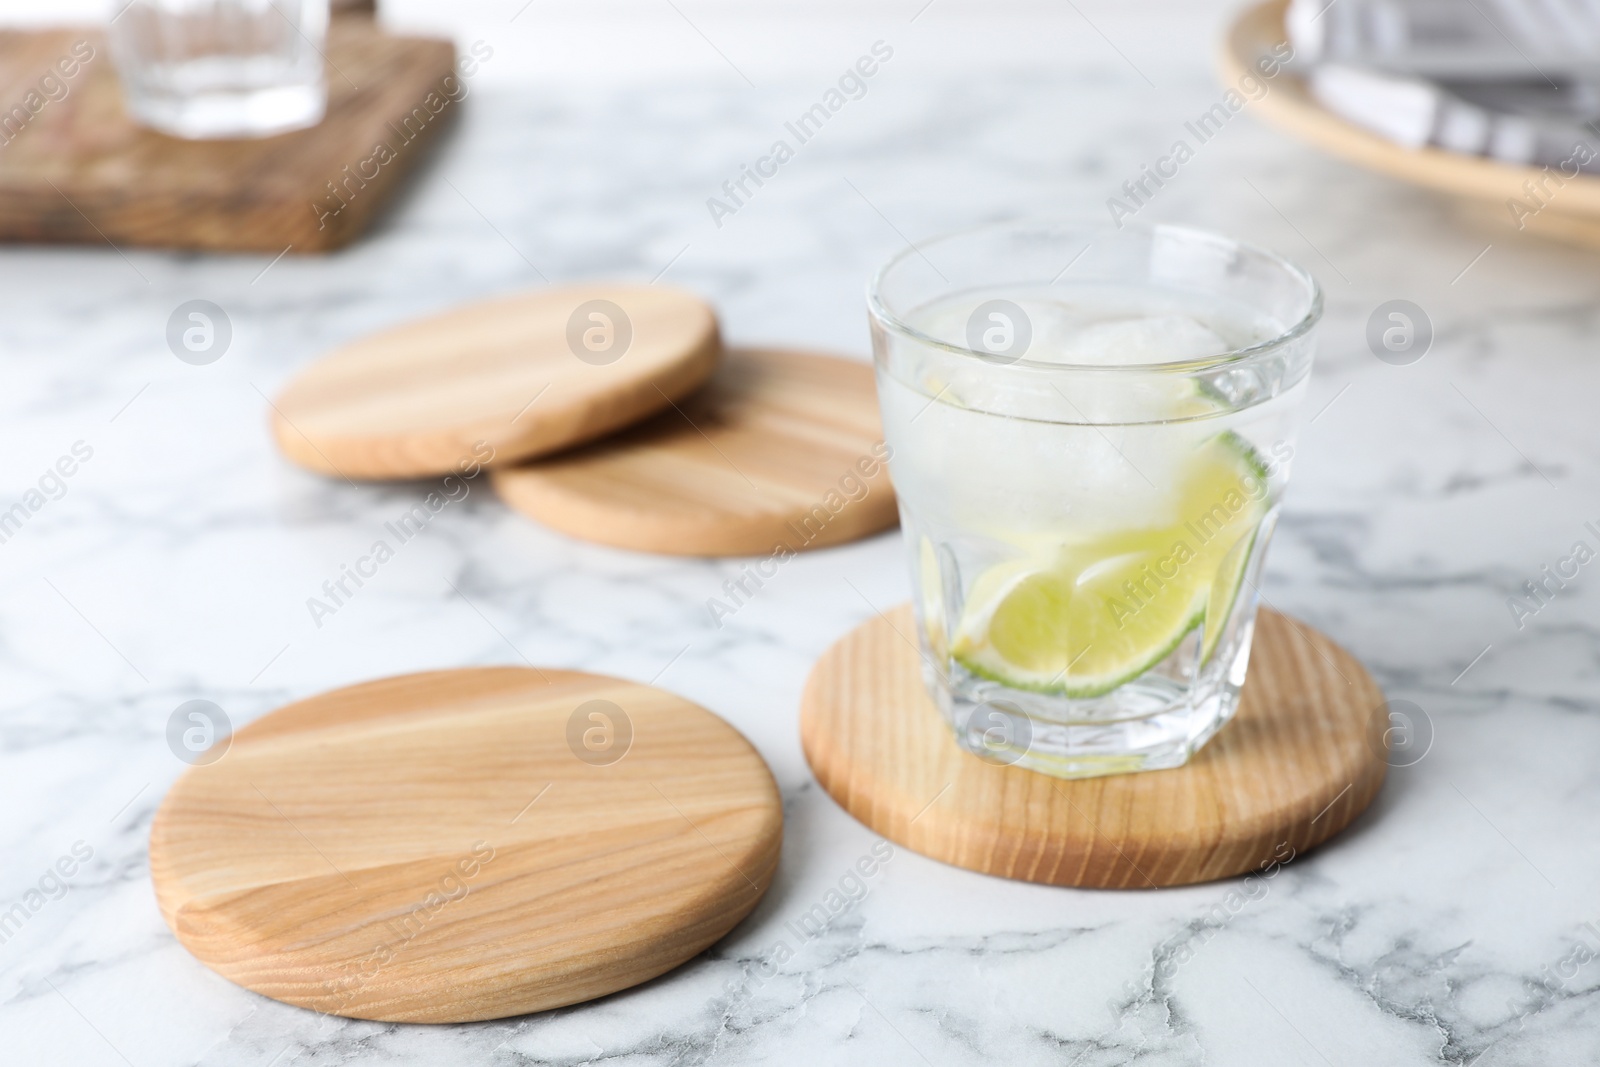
611, 413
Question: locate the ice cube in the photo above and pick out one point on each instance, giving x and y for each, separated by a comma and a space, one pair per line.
1121, 342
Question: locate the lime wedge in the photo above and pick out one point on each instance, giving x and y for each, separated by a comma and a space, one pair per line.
1093, 616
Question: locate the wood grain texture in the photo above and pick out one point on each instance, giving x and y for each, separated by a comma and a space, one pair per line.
424, 397
1299, 761
781, 448
430, 848
78, 169
1572, 214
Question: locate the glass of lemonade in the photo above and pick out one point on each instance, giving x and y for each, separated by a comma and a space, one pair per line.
1090, 432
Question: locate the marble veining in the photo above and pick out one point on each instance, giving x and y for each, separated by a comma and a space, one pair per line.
1454, 923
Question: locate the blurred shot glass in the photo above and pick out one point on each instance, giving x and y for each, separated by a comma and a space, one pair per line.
203, 69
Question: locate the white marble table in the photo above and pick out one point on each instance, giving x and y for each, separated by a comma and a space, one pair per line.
177, 561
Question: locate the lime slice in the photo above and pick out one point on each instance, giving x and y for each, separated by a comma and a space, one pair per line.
1093, 616
1225, 590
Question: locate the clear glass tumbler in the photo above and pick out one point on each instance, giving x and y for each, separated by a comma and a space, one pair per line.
222, 68
1090, 431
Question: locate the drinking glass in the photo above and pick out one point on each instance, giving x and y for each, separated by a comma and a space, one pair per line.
222, 68
1090, 431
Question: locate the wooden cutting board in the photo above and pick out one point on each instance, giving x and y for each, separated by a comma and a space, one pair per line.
80, 170
1304, 755
497, 381
466, 844
781, 451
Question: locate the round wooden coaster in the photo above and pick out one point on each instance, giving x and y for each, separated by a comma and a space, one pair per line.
1298, 762
781, 450
497, 381
467, 844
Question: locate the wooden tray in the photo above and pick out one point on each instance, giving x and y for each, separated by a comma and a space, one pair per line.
1571, 213
1304, 755
80, 170
466, 844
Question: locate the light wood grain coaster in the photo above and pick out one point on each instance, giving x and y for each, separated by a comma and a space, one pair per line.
1572, 214
782, 451
497, 381
466, 844
76, 168
1298, 762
